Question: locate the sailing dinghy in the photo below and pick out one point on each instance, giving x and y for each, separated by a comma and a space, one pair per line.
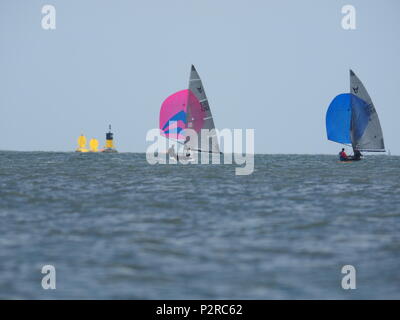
189, 109
352, 120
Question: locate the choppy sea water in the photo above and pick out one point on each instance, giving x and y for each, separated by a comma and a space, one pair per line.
116, 227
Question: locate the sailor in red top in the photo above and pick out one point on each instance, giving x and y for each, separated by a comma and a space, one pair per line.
343, 155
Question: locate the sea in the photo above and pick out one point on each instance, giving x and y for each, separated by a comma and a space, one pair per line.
112, 226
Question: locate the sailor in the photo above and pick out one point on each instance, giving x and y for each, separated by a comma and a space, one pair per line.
357, 155
176, 155
343, 156
172, 153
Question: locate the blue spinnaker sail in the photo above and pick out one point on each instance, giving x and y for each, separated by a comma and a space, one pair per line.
361, 114
338, 119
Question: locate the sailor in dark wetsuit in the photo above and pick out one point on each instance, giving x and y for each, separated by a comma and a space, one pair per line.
357, 155
343, 156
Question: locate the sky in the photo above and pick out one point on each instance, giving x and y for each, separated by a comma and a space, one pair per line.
272, 66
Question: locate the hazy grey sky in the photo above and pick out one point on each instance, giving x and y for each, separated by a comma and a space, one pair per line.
269, 65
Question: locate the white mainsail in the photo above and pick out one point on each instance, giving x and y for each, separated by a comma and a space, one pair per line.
372, 136
196, 87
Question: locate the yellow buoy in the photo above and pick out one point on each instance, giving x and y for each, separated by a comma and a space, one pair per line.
94, 145
109, 147
81, 144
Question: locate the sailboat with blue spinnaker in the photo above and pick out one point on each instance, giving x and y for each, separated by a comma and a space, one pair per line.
352, 120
